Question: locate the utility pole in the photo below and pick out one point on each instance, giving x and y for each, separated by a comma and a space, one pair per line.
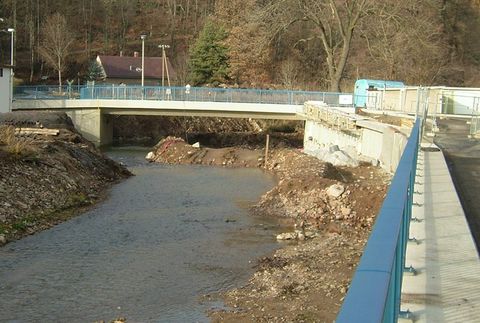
164, 63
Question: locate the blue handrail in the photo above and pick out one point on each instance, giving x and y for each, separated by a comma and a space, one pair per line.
175, 93
375, 292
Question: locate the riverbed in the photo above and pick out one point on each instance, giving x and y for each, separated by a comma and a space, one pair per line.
160, 241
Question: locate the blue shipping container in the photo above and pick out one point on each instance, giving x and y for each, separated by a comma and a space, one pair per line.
363, 86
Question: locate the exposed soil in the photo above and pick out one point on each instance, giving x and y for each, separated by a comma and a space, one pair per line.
331, 210
46, 179
217, 132
386, 118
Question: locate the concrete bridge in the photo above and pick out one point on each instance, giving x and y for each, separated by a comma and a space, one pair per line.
91, 108
93, 118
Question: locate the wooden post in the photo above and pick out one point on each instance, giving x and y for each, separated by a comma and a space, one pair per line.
266, 150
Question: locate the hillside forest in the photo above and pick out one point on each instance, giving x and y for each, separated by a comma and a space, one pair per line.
293, 44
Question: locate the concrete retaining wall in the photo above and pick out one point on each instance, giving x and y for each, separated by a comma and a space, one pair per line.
5, 89
317, 135
372, 141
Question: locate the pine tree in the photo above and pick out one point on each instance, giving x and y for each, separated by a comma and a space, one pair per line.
95, 72
209, 56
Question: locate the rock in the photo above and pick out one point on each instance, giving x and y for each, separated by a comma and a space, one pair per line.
335, 191
300, 236
341, 158
346, 211
333, 149
196, 145
150, 156
287, 236
3, 239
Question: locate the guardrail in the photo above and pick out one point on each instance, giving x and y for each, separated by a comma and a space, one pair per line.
375, 292
128, 92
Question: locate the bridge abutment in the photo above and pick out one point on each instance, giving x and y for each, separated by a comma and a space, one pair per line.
93, 124
367, 139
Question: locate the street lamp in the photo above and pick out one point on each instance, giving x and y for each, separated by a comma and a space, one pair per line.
143, 37
11, 30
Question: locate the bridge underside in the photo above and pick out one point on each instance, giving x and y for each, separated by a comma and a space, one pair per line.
92, 118
201, 113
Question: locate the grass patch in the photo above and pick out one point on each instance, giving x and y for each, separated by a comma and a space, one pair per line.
77, 199
13, 144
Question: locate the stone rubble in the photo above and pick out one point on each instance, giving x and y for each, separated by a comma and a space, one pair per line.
50, 180
331, 210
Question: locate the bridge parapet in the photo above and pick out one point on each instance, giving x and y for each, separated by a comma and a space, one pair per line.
196, 94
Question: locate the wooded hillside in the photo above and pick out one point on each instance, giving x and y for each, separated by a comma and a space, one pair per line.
304, 44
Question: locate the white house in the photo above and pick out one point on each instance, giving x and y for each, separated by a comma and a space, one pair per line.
5, 88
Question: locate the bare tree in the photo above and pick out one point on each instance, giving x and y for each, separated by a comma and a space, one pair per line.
56, 43
331, 21
405, 41
30, 23
288, 73
335, 30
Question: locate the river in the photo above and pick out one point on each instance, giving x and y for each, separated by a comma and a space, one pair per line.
160, 241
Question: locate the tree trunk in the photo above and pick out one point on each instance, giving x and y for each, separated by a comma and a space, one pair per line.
59, 76
342, 63
32, 64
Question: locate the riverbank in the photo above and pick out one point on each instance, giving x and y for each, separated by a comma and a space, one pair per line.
331, 210
46, 177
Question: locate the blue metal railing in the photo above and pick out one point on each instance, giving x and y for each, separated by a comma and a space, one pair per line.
375, 292
46, 92
118, 92
206, 94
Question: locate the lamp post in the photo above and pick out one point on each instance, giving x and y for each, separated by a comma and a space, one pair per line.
143, 37
11, 31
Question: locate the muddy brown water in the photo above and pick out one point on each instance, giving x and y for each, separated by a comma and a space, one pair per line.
162, 239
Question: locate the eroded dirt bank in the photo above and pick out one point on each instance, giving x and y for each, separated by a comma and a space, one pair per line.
47, 178
331, 210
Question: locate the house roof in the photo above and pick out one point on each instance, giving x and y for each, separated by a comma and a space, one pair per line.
131, 67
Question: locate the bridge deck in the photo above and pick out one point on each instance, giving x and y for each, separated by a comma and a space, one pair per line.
446, 289
170, 108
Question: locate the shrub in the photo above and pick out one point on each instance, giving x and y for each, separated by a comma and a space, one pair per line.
14, 144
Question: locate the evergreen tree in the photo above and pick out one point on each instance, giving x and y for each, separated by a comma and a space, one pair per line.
95, 72
209, 56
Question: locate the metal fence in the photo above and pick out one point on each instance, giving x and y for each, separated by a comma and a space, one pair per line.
120, 92
46, 92
207, 94
375, 291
